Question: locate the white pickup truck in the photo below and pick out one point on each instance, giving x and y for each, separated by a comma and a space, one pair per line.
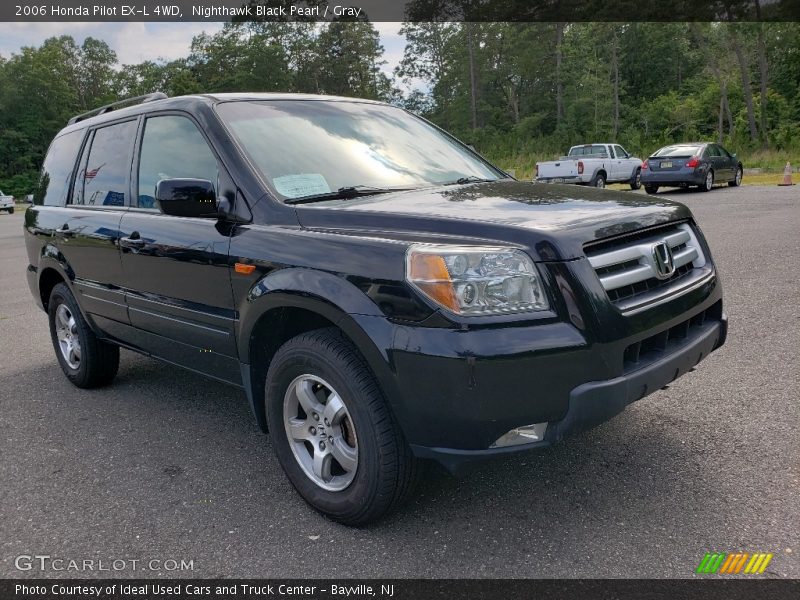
593, 164
6, 203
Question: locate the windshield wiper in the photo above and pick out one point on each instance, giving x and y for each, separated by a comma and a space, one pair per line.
468, 179
345, 193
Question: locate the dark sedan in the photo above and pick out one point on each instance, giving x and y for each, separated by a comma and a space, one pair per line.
701, 163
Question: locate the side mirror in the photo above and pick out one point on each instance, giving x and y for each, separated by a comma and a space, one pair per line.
187, 198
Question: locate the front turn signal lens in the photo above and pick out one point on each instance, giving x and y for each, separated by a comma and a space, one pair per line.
433, 279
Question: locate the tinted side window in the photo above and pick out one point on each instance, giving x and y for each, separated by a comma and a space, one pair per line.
713, 151
722, 152
80, 178
57, 170
105, 176
172, 148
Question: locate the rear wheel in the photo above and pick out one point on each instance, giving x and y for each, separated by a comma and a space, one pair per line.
651, 189
636, 180
332, 431
598, 181
11, 210
87, 361
708, 183
737, 180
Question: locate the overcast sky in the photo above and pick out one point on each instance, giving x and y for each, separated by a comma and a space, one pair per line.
137, 42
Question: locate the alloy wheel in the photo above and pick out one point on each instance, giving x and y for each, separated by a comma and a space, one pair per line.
68, 338
320, 432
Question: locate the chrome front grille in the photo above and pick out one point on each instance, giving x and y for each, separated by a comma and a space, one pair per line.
648, 265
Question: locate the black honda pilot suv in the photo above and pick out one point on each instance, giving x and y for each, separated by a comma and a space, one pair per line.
380, 292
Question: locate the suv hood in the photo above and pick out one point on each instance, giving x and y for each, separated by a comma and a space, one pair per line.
554, 220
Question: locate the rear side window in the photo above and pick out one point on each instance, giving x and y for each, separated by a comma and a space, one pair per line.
104, 176
172, 148
592, 150
57, 169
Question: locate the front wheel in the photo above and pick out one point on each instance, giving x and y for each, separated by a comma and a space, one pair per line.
636, 180
736, 181
651, 189
87, 361
708, 183
333, 432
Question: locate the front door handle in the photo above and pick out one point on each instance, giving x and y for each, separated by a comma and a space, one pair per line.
65, 231
134, 241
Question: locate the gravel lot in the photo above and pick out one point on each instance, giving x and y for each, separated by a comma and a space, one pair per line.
168, 465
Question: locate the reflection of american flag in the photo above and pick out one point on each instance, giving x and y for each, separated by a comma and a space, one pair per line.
93, 173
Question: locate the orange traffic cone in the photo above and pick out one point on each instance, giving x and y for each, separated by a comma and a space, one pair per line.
787, 175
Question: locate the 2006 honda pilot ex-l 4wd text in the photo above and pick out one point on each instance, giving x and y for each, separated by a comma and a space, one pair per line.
381, 292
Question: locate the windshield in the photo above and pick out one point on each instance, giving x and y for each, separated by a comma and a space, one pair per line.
678, 151
308, 147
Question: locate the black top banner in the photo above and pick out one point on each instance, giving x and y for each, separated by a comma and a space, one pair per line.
399, 10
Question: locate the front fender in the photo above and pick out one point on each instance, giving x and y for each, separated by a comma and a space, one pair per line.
321, 292
326, 294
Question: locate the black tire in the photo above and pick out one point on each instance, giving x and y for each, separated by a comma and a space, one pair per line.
737, 179
99, 360
11, 211
708, 183
598, 181
651, 189
386, 470
636, 180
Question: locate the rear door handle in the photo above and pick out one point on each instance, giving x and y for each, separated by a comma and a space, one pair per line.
134, 241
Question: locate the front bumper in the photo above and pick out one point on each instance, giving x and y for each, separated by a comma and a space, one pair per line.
594, 402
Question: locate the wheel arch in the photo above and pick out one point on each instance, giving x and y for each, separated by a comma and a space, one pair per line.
273, 314
50, 277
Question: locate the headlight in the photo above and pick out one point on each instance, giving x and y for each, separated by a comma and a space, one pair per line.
476, 280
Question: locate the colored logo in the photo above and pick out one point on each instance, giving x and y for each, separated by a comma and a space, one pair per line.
735, 563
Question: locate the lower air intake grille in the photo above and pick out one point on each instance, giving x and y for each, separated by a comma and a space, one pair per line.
652, 348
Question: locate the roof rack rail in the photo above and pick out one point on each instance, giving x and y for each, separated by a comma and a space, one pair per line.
114, 105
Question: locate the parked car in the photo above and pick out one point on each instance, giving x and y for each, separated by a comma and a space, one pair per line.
380, 292
702, 164
6, 203
594, 165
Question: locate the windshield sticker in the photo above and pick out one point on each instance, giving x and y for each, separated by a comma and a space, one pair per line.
303, 184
